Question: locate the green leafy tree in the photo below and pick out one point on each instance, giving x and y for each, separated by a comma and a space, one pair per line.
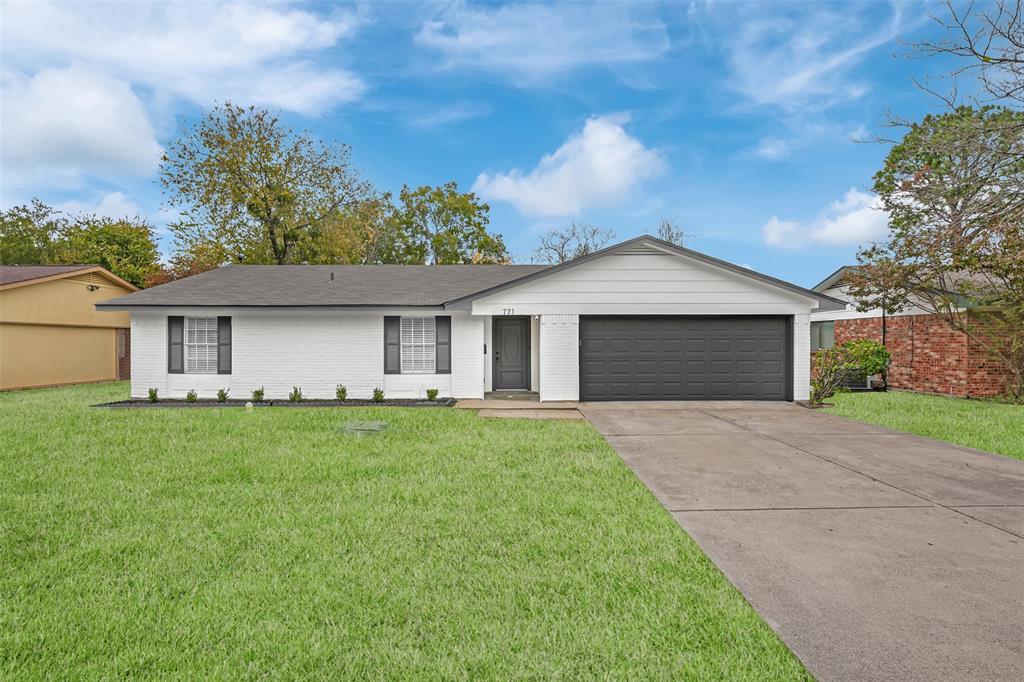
28, 233
954, 191
124, 246
440, 225
38, 234
198, 257
363, 233
265, 194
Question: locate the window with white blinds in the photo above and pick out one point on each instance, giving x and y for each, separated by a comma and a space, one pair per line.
201, 345
419, 339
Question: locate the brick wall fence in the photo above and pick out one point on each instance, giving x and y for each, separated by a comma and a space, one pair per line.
929, 357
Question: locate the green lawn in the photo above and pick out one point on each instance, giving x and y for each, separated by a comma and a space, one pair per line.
219, 543
985, 425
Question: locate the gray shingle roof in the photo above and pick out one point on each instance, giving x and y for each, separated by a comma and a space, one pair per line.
9, 274
311, 285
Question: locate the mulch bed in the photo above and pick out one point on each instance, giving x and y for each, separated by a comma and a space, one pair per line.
178, 402
811, 406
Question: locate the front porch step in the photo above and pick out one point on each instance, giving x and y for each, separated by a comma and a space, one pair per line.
530, 414
513, 396
502, 404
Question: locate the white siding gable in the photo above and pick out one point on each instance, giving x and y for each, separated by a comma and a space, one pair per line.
644, 281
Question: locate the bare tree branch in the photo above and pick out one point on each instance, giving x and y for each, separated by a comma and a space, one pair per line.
579, 239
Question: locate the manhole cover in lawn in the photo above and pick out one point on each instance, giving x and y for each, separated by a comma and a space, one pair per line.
363, 428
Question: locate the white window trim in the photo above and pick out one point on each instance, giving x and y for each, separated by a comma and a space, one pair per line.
418, 345
200, 356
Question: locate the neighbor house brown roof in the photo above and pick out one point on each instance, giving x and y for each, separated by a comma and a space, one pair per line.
12, 276
9, 274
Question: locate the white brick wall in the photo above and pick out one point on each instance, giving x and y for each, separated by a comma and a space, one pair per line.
149, 353
416, 385
319, 350
801, 357
559, 357
468, 360
315, 351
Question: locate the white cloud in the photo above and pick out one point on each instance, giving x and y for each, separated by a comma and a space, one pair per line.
779, 232
62, 123
599, 165
82, 80
855, 219
532, 42
109, 205
446, 115
301, 87
772, 148
200, 51
804, 60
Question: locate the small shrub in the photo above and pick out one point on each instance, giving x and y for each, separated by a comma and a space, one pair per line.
833, 366
153, 396
191, 396
341, 392
296, 395
222, 395
431, 394
868, 355
257, 395
378, 395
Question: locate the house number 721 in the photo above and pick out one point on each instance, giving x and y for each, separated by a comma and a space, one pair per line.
508, 311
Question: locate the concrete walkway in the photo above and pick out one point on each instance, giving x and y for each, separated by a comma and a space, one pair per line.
876, 555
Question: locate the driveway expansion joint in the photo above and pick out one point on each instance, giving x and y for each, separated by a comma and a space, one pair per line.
838, 508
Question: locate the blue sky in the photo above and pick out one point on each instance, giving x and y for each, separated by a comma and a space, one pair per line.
733, 118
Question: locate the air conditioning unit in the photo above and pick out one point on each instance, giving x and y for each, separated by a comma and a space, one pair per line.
860, 382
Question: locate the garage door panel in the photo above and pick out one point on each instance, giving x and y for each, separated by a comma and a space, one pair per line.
719, 345
673, 358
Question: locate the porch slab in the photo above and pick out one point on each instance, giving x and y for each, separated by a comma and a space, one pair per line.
501, 404
530, 414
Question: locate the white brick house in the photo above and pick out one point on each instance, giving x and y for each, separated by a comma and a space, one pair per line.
640, 320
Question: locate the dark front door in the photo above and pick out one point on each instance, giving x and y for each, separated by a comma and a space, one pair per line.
511, 353
684, 358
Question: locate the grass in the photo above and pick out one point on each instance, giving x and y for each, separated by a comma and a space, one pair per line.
219, 543
985, 425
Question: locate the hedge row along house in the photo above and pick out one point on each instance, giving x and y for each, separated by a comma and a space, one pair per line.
928, 356
50, 331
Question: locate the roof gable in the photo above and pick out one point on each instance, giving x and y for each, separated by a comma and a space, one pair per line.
836, 279
647, 245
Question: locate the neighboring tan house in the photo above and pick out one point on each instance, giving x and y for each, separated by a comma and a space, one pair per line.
927, 355
50, 331
641, 320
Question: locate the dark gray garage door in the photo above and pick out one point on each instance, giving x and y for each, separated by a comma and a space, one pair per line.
684, 358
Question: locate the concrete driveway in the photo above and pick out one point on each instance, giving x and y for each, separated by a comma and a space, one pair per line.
876, 555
